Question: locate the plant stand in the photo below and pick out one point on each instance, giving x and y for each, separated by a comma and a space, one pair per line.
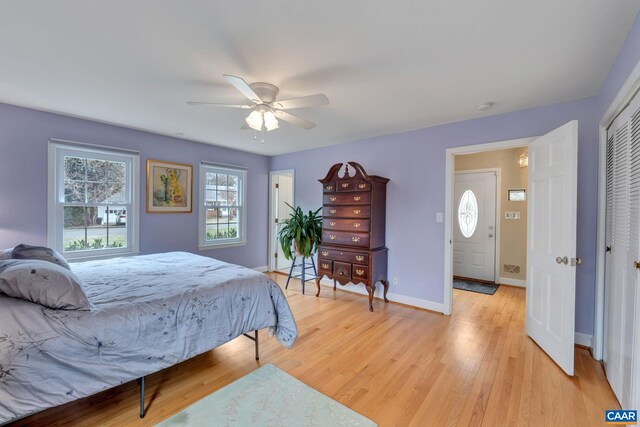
304, 268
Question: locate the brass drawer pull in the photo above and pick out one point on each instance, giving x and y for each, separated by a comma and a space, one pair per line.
360, 272
356, 211
332, 211
356, 225
359, 258
357, 198
355, 239
325, 266
333, 199
329, 187
332, 237
362, 186
345, 185
332, 223
325, 253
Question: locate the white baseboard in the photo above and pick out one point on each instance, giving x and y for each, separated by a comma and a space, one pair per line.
584, 339
513, 282
261, 269
402, 299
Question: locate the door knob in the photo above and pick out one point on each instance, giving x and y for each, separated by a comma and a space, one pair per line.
576, 261
562, 260
636, 265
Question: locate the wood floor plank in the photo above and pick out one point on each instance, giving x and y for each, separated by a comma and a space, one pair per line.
398, 366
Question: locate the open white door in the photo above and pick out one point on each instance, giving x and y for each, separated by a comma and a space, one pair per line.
551, 256
282, 193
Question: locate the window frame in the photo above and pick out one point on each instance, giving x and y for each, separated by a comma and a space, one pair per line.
241, 240
57, 151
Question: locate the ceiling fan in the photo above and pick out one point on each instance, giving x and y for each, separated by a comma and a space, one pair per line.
266, 110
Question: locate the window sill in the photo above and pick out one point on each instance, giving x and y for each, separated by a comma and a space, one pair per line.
98, 257
209, 246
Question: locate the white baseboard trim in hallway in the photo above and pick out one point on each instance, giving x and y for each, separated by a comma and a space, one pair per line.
402, 299
513, 282
585, 340
261, 269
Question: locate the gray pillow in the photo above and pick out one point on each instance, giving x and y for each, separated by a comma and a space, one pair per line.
23, 251
5, 254
44, 283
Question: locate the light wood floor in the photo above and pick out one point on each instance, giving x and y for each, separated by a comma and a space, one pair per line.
398, 366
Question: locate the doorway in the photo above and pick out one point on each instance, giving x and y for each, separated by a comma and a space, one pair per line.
282, 191
551, 257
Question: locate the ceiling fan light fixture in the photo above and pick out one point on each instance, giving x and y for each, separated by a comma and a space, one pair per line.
270, 121
254, 120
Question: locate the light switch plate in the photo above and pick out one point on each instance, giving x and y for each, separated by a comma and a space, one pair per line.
439, 217
512, 215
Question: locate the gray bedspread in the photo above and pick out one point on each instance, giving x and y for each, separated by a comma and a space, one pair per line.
150, 312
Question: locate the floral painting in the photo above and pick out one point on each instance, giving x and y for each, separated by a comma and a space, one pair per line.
169, 187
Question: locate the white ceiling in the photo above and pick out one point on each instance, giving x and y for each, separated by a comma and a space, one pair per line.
386, 66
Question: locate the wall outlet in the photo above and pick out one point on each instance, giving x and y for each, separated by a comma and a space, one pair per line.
439, 217
394, 280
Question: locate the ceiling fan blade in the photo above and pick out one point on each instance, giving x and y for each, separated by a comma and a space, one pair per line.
243, 87
215, 104
294, 120
302, 102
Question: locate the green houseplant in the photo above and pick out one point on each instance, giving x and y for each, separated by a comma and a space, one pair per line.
301, 231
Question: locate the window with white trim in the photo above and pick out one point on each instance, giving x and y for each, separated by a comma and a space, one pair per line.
93, 208
222, 205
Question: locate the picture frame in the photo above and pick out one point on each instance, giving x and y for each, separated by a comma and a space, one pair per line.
169, 187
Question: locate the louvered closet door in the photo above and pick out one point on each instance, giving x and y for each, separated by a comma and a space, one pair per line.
623, 237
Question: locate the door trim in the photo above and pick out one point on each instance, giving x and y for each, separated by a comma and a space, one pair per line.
622, 99
448, 211
498, 217
292, 172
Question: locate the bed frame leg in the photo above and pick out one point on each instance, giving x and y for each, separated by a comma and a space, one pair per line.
141, 382
257, 347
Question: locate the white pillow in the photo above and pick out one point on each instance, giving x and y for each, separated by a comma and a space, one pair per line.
44, 283
5, 254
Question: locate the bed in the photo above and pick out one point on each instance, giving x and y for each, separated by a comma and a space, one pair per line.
149, 312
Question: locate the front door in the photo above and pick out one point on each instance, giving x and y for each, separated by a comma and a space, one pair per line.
551, 240
474, 242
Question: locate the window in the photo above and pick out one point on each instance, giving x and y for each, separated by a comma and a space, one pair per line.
222, 205
468, 214
92, 200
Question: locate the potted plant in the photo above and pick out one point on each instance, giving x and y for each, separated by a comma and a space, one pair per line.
301, 231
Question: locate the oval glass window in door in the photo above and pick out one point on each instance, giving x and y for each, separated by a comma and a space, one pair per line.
468, 213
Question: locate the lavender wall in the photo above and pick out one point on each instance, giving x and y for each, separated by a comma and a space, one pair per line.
23, 182
626, 60
415, 163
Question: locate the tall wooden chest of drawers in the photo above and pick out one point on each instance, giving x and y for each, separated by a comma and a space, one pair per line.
353, 229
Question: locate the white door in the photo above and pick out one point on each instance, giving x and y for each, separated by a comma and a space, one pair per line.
474, 242
551, 253
282, 193
623, 237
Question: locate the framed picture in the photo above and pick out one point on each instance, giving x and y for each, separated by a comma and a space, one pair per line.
169, 187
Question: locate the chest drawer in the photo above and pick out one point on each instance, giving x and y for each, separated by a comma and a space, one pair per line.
342, 269
346, 211
346, 256
346, 199
329, 187
345, 238
346, 185
360, 272
346, 224
325, 266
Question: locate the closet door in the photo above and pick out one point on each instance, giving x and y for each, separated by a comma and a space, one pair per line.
623, 229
